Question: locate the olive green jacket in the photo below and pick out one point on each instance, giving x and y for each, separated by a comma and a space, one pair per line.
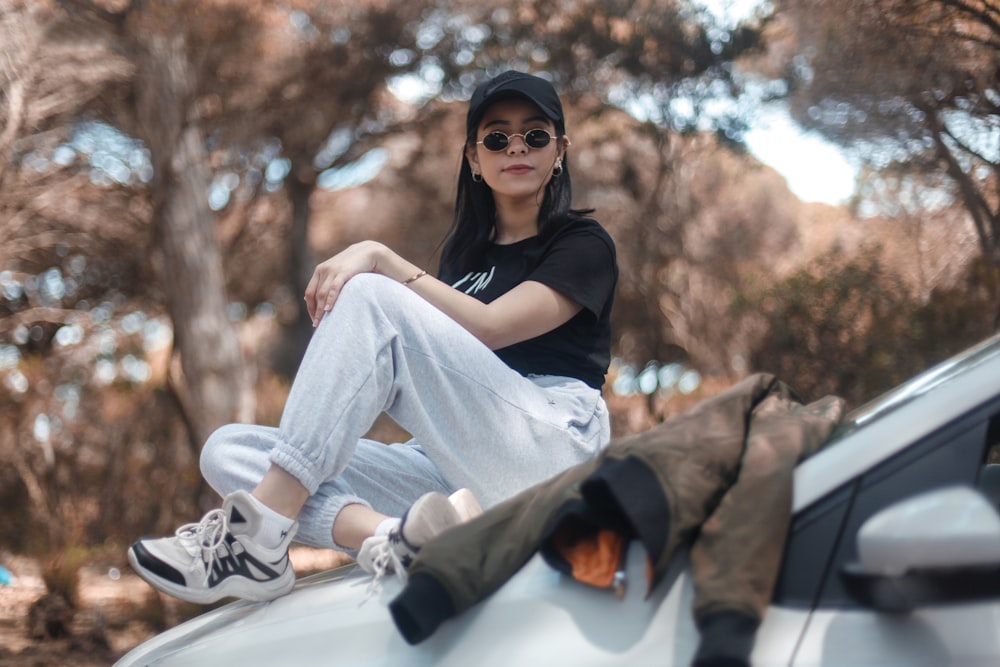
715, 476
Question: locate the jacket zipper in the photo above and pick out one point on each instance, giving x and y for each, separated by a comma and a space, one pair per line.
619, 582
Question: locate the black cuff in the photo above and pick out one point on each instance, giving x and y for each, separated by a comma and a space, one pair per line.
727, 639
638, 495
421, 608
572, 515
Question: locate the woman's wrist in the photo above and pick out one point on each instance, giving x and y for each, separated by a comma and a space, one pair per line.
384, 260
389, 264
419, 274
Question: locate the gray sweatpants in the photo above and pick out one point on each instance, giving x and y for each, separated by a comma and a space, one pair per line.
475, 422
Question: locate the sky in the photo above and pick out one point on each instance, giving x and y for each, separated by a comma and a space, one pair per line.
815, 169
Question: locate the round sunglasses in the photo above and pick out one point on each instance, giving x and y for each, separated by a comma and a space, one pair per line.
497, 141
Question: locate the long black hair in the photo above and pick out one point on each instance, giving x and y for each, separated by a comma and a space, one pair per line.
474, 223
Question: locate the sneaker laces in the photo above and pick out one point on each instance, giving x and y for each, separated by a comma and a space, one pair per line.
204, 539
385, 561
392, 553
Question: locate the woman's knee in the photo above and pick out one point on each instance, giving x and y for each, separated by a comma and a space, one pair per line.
365, 286
371, 290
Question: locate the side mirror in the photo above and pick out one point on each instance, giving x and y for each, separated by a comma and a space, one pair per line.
937, 547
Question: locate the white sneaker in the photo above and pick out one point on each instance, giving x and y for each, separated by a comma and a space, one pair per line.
465, 503
429, 516
217, 557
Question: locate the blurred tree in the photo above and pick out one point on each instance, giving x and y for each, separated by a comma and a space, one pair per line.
308, 83
72, 269
912, 85
848, 311
78, 264
202, 81
930, 243
849, 325
694, 223
167, 49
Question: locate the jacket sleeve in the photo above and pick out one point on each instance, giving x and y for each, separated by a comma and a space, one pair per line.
469, 562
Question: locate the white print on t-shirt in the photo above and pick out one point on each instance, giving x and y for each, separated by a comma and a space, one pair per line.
475, 281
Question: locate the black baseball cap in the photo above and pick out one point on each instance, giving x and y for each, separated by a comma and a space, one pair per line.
510, 84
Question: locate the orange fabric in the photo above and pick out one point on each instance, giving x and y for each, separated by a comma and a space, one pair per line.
594, 558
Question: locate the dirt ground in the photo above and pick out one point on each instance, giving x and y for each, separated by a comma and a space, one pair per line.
115, 610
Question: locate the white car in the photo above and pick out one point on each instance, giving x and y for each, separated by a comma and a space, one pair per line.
893, 559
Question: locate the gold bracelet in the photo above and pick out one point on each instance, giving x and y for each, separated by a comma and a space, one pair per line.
412, 278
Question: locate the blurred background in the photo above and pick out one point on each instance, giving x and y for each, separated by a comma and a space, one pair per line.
802, 187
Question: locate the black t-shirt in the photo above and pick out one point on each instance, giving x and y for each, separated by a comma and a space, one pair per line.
579, 262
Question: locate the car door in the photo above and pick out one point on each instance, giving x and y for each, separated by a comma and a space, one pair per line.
823, 542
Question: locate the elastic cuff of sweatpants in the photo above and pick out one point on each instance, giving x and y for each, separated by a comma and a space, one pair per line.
421, 608
319, 532
291, 461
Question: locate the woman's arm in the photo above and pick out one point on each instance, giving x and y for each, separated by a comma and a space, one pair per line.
528, 310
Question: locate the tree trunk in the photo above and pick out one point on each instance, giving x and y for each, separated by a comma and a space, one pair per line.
214, 390
302, 261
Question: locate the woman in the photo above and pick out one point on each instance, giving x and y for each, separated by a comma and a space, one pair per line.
495, 367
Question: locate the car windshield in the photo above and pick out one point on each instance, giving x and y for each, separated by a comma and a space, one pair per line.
941, 374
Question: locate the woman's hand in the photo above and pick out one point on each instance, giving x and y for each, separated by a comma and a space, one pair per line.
528, 310
330, 276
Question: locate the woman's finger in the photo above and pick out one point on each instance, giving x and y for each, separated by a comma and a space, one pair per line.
330, 276
310, 295
327, 292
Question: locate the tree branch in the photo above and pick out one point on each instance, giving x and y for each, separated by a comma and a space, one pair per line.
36, 315
979, 14
975, 203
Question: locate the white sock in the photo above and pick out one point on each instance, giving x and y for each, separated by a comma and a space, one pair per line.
273, 528
386, 525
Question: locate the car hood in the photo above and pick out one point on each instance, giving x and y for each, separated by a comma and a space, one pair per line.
538, 617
